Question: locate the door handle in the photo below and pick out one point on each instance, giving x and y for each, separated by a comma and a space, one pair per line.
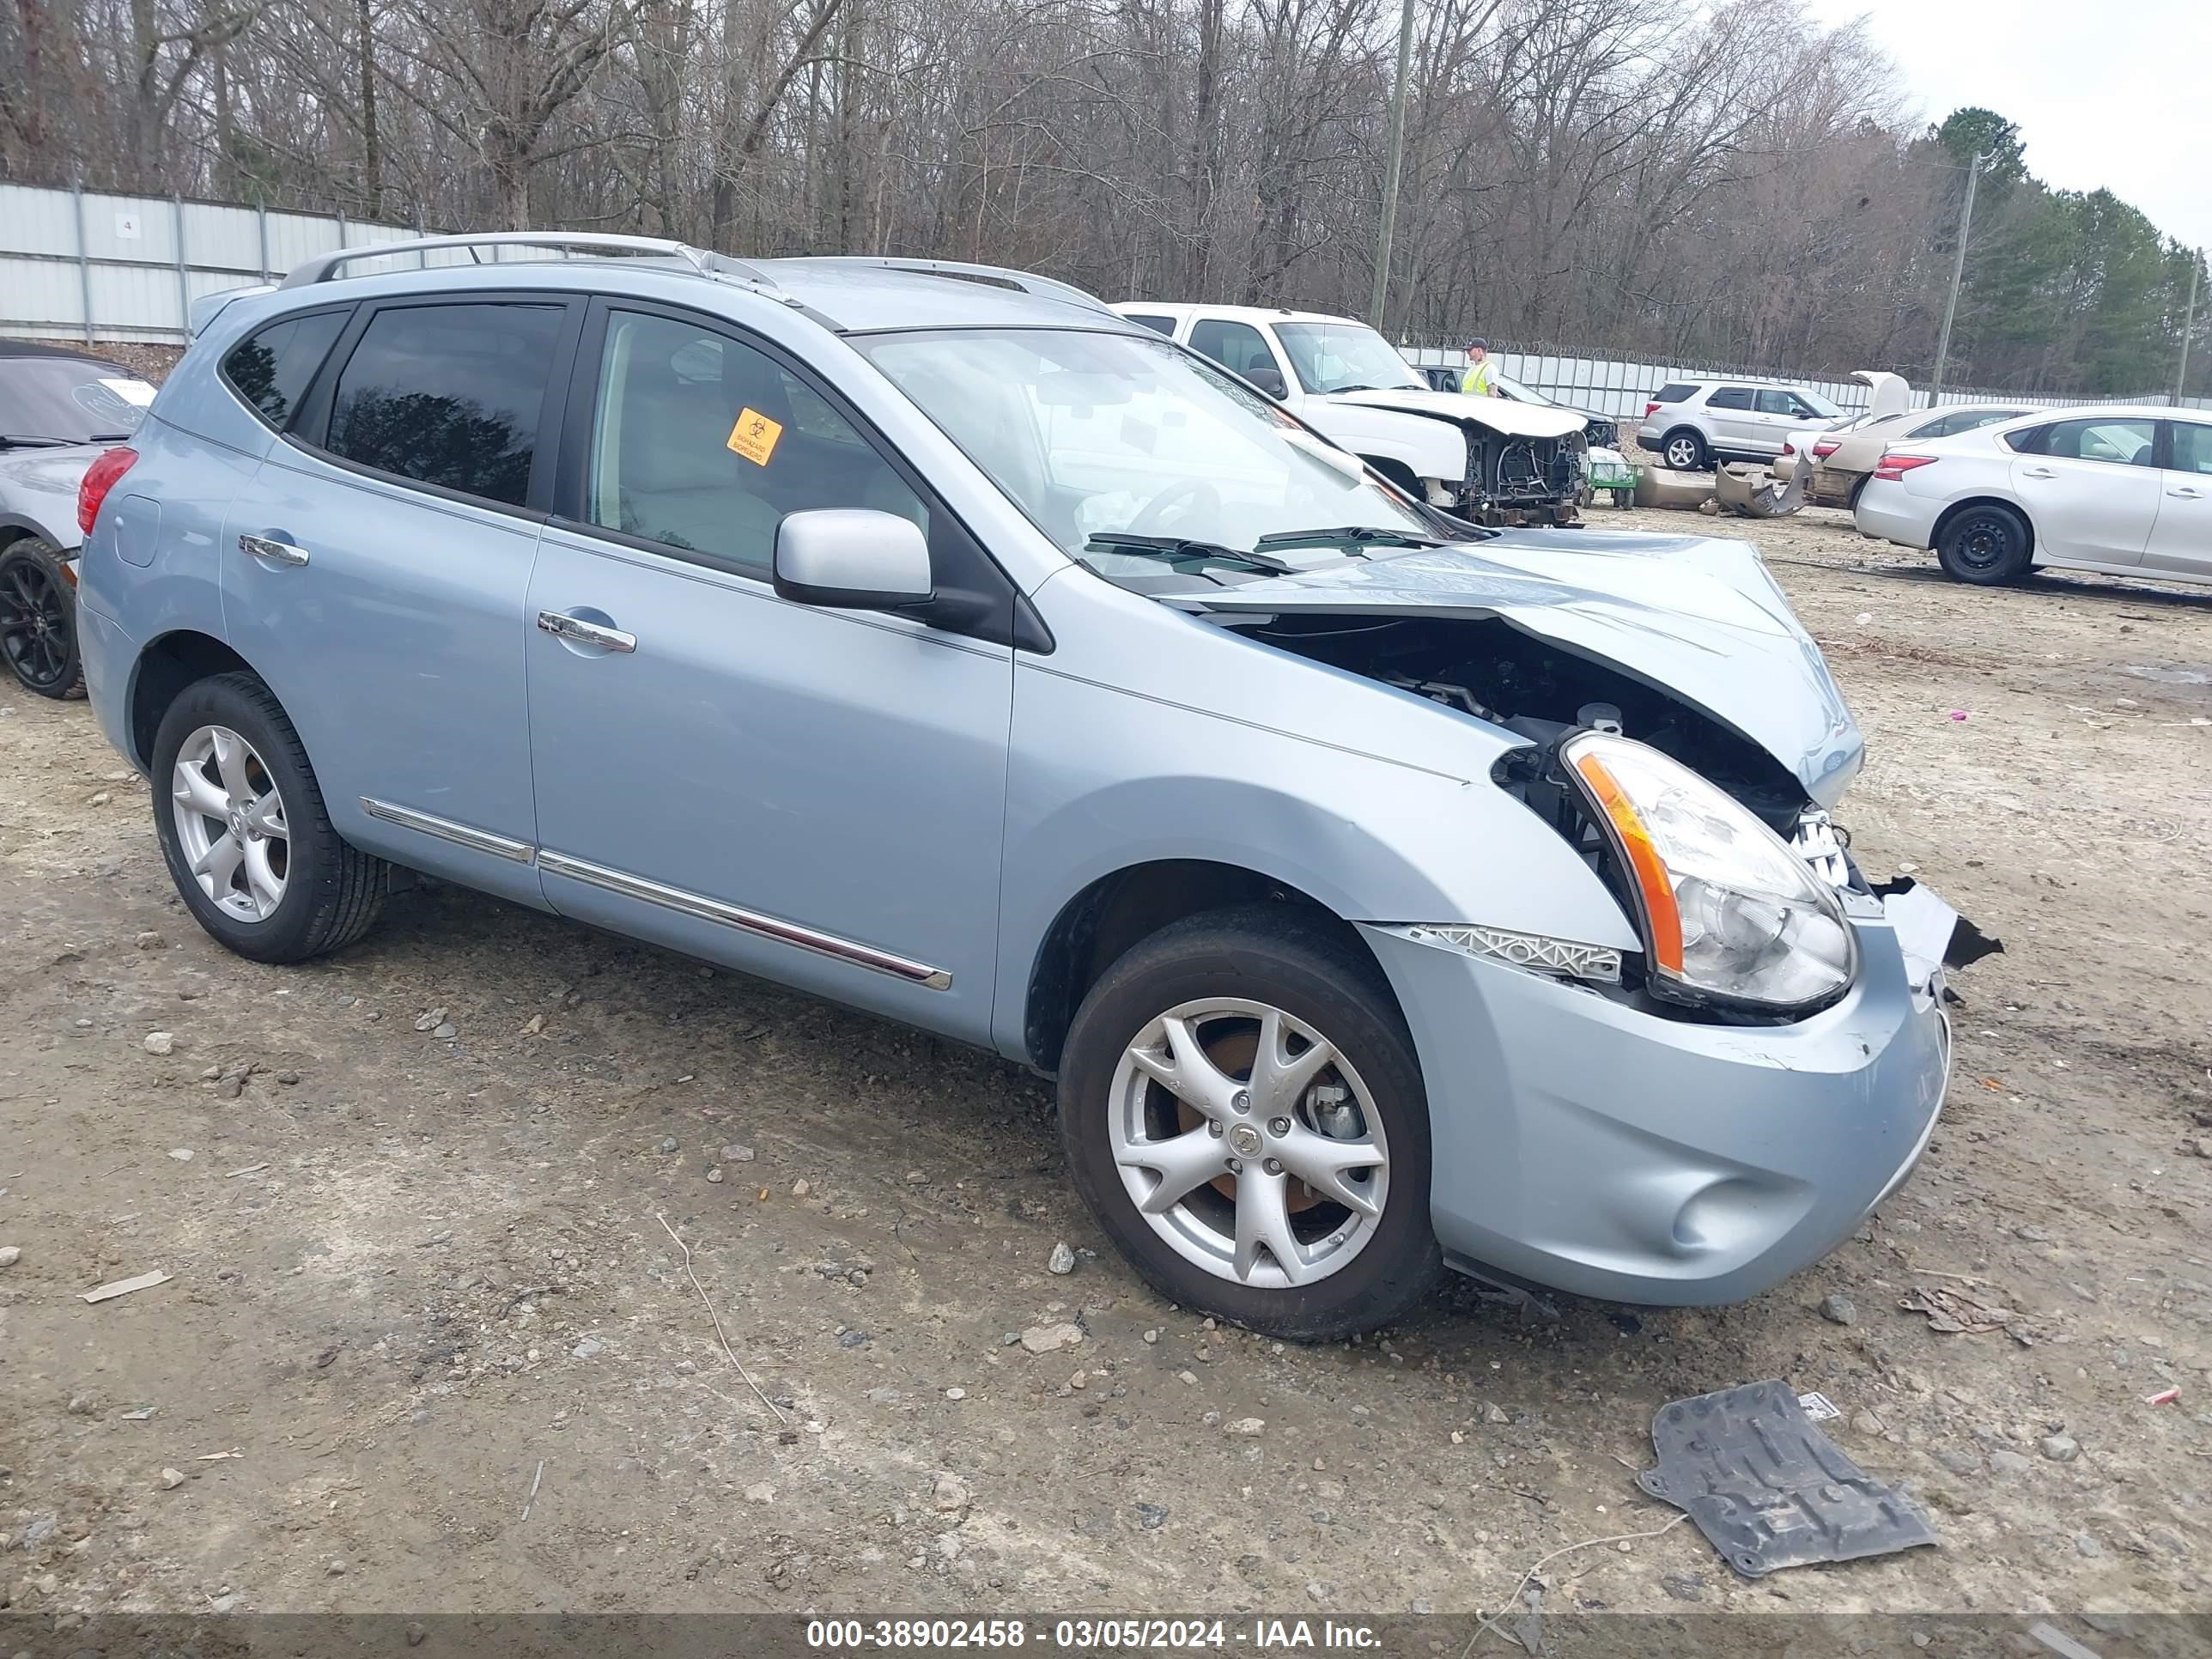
2039, 472
2187, 492
276, 552
562, 626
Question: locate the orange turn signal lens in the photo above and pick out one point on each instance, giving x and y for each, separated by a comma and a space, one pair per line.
1661, 917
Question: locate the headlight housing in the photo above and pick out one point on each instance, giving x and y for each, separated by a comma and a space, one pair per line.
1731, 917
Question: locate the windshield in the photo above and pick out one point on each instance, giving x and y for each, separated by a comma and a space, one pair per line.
1516, 392
1817, 403
70, 400
1345, 357
1113, 434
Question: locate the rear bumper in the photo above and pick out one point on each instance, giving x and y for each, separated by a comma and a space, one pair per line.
1588, 1145
1886, 511
109, 656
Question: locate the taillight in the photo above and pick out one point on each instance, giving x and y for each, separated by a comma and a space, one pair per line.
1826, 447
1650, 409
99, 479
1891, 468
1789, 448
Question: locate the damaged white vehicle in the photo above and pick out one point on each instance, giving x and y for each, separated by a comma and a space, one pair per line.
1486, 460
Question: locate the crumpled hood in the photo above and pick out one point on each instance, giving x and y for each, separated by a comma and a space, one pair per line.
1498, 413
40, 485
1696, 615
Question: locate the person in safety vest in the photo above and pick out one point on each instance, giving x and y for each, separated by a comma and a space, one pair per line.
1476, 381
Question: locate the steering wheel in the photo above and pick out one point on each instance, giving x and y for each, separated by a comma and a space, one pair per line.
1183, 499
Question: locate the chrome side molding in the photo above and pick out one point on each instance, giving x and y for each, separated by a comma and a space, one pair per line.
745, 921
461, 835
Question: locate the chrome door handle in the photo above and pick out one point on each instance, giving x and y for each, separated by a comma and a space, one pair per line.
566, 627
2039, 472
261, 547
2187, 494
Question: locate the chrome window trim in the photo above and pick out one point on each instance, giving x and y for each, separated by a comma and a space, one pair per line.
744, 921
461, 835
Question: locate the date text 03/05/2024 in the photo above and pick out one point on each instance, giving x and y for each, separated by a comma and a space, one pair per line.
1088, 1635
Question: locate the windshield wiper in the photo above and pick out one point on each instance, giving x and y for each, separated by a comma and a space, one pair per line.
1351, 537
28, 441
1182, 547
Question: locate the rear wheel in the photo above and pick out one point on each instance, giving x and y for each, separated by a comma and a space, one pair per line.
1986, 544
37, 619
1684, 450
244, 831
1242, 1110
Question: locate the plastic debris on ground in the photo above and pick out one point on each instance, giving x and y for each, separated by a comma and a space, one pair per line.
1767, 1488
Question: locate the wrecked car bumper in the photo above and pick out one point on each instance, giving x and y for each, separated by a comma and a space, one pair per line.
1586, 1145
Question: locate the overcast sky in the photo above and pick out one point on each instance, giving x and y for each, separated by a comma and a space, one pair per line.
2107, 94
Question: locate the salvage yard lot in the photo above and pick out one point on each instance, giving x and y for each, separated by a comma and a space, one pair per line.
413, 1203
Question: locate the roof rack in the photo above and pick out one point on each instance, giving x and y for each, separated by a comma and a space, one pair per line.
322, 267
1024, 282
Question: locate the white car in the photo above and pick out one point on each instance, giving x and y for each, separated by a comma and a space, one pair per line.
2125, 489
1491, 460
1692, 424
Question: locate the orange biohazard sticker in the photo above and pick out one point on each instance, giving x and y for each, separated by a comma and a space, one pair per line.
754, 437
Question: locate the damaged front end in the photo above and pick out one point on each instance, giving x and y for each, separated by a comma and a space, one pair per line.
1516, 481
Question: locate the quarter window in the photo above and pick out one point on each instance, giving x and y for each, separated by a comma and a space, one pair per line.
1237, 347
271, 367
1673, 392
1730, 397
703, 443
449, 395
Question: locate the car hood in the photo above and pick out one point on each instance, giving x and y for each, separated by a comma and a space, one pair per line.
1498, 413
1697, 617
40, 485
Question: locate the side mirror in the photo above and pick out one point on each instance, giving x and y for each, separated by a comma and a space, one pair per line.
1269, 381
851, 559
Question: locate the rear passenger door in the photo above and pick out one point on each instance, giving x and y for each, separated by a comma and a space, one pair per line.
2181, 537
812, 795
2090, 485
1737, 427
375, 571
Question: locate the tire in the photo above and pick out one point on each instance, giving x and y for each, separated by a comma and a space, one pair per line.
1689, 443
1225, 973
38, 620
1987, 545
1852, 501
309, 893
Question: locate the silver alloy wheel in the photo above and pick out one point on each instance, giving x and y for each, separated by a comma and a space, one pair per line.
230, 824
1272, 1179
1682, 454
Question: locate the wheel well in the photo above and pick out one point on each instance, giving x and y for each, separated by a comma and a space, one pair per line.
1950, 512
1684, 430
12, 533
1099, 925
165, 669
1398, 473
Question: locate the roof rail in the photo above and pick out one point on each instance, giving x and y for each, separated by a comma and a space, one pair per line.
1024, 282
322, 267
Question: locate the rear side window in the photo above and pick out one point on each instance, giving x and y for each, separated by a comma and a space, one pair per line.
271, 367
1158, 324
450, 395
1729, 397
2119, 442
1673, 392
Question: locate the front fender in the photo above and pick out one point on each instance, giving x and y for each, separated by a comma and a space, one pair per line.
1426, 448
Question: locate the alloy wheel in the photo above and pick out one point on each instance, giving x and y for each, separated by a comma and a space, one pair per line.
1682, 454
1248, 1143
34, 625
230, 824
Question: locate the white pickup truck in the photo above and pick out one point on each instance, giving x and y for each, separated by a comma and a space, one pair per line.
1487, 459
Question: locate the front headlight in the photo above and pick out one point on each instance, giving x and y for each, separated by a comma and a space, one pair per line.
1731, 915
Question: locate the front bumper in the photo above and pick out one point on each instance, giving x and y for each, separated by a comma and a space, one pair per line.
1588, 1145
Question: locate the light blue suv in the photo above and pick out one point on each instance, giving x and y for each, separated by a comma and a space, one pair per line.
1383, 893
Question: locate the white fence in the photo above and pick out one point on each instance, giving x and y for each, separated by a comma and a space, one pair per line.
75, 264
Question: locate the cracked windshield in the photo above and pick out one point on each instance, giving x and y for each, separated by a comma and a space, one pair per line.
1130, 454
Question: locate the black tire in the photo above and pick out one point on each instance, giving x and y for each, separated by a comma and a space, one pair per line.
1304, 965
1986, 544
332, 891
1692, 443
1852, 501
37, 619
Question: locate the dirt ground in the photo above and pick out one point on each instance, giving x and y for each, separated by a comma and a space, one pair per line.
427, 1343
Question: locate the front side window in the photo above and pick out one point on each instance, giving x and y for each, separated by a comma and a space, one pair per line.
2192, 445
271, 367
1115, 435
1344, 357
1237, 347
703, 443
47, 401
450, 395
1730, 397
1783, 401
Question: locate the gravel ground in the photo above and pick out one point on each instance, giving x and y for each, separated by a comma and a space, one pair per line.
428, 1341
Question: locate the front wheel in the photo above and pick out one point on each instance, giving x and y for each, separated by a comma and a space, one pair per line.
244, 831
1242, 1110
37, 619
1985, 546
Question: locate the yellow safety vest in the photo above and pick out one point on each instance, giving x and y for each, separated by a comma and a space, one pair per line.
1476, 381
